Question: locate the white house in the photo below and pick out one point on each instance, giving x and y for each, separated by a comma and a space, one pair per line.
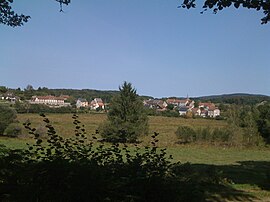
97, 103
81, 103
213, 112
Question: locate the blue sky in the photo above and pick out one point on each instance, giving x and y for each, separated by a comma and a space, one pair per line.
161, 49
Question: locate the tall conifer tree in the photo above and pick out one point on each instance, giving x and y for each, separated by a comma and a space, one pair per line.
126, 117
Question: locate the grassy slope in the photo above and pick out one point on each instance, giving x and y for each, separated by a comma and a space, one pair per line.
246, 167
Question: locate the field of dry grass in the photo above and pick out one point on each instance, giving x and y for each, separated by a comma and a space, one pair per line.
165, 126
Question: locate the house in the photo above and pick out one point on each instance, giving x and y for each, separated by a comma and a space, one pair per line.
176, 102
206, 105
181, 102
97, 103
50, 100
81, 103
213, 112
157, 104
196, 111
183, 110
209, 109
204, 113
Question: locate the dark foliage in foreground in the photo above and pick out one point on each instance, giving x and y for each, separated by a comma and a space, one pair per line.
76, 169
9, 17
218, 5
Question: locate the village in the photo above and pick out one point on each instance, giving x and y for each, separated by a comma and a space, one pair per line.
185, 107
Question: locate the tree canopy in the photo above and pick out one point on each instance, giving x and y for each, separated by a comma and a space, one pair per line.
9, 17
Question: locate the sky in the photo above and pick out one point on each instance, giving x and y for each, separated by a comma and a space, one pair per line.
161, 49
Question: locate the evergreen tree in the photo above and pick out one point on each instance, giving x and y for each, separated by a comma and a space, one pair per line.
127, 119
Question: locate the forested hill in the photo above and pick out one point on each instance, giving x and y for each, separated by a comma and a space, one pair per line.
88, 94
237, 98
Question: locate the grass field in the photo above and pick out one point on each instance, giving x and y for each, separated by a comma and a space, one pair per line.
247, 168
165, 126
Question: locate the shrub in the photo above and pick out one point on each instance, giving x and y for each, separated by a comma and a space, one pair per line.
222, 134
74, 170
13, 130
204, 134
186, 134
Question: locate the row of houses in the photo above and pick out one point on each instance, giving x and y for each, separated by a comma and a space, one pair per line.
50, 100
184, 107
61, 101
95, 104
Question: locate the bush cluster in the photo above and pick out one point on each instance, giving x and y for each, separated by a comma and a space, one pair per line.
187, 134
13, 130
231, 136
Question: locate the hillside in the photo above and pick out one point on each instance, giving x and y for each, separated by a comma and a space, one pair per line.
236, 98
88, 94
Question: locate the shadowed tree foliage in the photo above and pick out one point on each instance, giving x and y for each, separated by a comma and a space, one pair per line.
7, 116
218, 5
10, 18
127, 119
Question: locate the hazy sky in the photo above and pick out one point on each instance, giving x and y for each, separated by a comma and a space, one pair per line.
161, 49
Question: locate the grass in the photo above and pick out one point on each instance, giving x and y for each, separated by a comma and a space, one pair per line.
246, 168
